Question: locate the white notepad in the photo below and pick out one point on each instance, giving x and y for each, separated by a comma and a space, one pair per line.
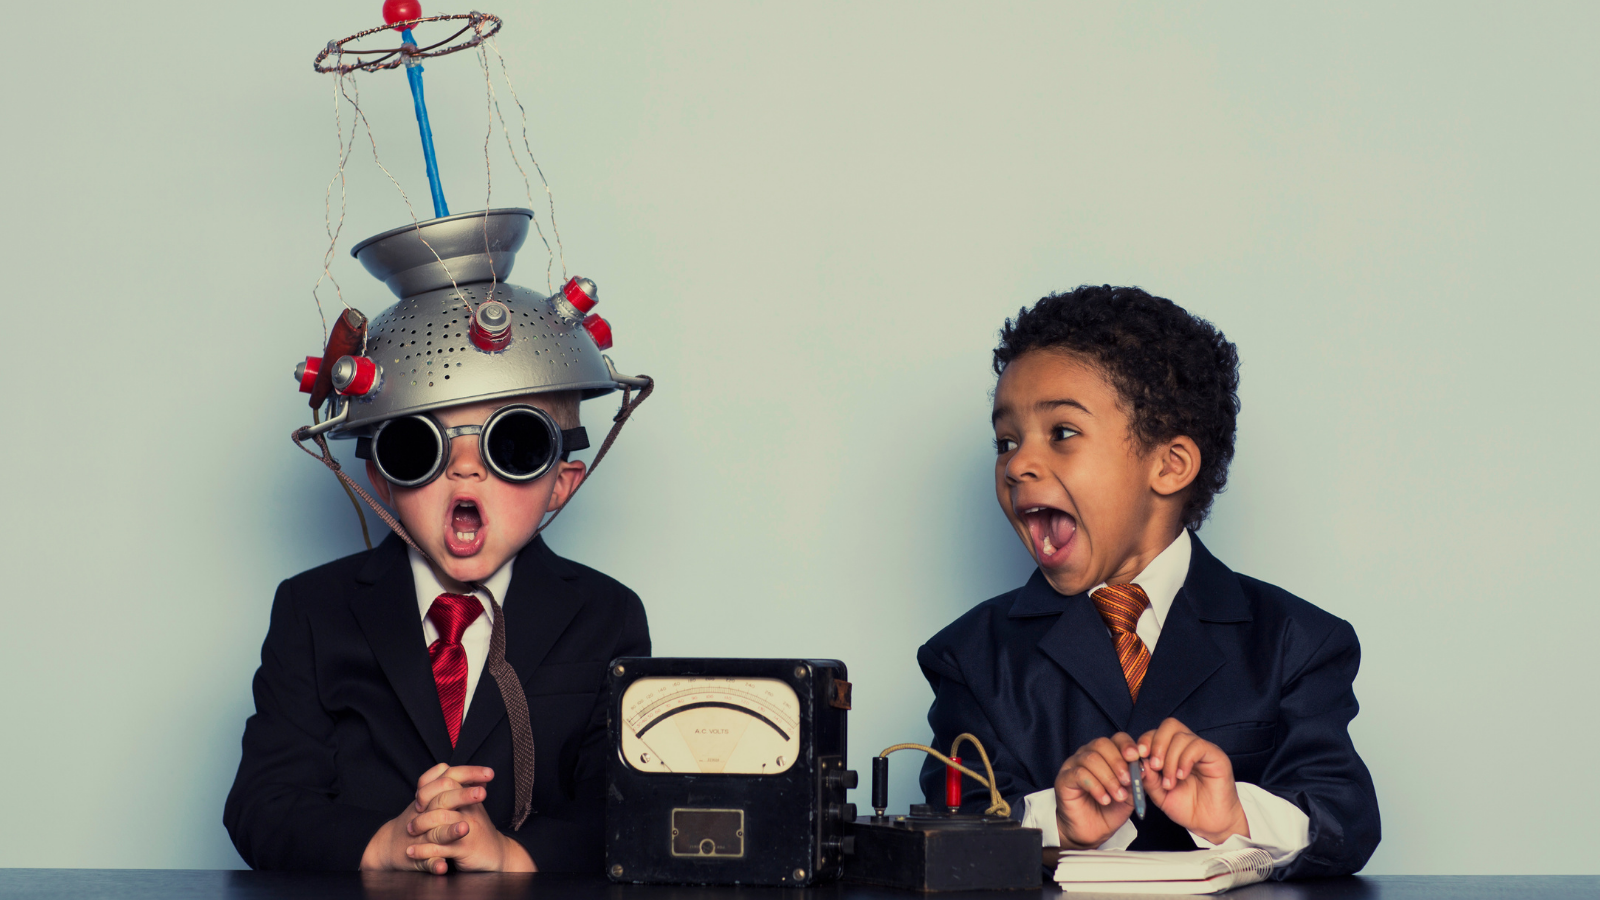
1182, 872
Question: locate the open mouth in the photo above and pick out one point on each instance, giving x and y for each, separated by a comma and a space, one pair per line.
464, 536
1052, 531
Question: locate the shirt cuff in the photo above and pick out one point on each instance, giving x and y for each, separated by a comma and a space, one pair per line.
1276, 826
1039, 811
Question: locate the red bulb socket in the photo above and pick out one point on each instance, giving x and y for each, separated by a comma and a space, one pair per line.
306, 373
952, 784
579, 292
490, 328
354, 376
600, 330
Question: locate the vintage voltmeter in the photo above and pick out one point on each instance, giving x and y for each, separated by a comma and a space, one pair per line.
727, 771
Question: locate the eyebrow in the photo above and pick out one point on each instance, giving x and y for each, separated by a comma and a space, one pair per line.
1056, 404
1042, 404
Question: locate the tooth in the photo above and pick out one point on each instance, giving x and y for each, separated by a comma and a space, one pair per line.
1049, 548
466, 535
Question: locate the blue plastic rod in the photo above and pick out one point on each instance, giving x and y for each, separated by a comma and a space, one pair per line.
414, 75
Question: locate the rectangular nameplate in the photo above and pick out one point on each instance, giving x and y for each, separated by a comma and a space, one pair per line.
708, 832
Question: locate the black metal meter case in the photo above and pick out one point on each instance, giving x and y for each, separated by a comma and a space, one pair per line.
727, 771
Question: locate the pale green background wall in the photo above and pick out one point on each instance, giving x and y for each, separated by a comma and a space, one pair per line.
808, 221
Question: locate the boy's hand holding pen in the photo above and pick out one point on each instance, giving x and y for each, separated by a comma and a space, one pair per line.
1095, 791
1109, 779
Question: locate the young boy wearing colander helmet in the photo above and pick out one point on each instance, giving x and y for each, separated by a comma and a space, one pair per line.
377, 740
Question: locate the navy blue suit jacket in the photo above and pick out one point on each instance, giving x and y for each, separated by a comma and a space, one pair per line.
1261, 673
347, 714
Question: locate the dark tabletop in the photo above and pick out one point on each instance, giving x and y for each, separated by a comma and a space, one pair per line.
184, 884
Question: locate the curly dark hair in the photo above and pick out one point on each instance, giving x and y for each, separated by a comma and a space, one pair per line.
1176, 373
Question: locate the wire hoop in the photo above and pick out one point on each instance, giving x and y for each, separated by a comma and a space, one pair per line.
482, 26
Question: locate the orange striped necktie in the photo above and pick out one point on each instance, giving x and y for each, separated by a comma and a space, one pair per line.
1121, 605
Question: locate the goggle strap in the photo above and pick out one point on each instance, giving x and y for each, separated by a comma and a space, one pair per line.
574, 439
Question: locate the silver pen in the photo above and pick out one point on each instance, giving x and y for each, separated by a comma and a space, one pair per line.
1136, 775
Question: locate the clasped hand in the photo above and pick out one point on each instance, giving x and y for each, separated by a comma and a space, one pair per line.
446, 821
1188, 778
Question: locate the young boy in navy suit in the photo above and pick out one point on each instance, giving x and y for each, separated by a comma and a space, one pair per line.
1114, 420
377, 742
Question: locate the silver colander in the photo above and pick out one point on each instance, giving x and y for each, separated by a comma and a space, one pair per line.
422, 345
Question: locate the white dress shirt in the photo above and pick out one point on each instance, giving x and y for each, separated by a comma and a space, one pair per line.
1276, 825
475, 640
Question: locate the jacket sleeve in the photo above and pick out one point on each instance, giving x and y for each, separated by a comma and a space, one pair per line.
956, 710
571, 837
283, 811
1315, 766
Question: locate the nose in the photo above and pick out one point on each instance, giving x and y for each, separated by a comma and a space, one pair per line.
1024, 464
465, 462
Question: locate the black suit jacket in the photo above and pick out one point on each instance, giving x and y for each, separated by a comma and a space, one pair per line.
347, 714
1259, 672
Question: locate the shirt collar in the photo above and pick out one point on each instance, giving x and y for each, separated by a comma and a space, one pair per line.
1162, 578
429, 588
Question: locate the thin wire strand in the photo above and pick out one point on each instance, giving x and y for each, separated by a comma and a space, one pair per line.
527, 185
528, 146
409, 208
333, 231
488, 174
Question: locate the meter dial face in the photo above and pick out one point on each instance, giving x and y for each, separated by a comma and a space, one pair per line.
742, 726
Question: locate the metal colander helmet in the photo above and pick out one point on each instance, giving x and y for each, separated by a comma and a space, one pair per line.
459, 333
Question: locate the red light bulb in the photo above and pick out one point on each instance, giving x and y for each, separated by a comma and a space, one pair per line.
306, 373
401, 11
600, 330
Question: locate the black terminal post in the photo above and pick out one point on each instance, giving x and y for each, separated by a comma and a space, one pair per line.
880, 784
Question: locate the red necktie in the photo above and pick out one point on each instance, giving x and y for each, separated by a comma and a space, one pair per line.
1121, 605
451, 614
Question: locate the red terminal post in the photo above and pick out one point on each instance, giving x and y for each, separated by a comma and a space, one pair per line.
354, 376
576, 298
490, 329
600, 330
952, 785
306, 373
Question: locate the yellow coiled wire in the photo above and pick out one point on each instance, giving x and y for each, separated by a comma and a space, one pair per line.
997, 806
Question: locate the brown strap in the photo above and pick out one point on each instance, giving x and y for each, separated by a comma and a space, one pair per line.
299, 436
505, 677
621, 418
516, 713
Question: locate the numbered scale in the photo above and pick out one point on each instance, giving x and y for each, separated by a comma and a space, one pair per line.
727, 771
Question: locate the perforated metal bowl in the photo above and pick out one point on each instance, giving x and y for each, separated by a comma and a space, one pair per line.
426, 357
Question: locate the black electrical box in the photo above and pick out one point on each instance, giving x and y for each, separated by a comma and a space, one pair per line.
934, 850
727, 771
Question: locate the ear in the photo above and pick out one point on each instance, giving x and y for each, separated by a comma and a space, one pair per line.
1174, 466
380, 484
568, 476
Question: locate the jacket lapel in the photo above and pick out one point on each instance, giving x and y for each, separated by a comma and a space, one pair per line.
385, 606
1080, 644
1186, 656
538, 606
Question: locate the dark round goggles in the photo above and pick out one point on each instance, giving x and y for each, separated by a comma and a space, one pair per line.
518, 443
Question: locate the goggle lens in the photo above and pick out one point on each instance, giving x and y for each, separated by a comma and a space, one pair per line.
407, 450
520, 444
